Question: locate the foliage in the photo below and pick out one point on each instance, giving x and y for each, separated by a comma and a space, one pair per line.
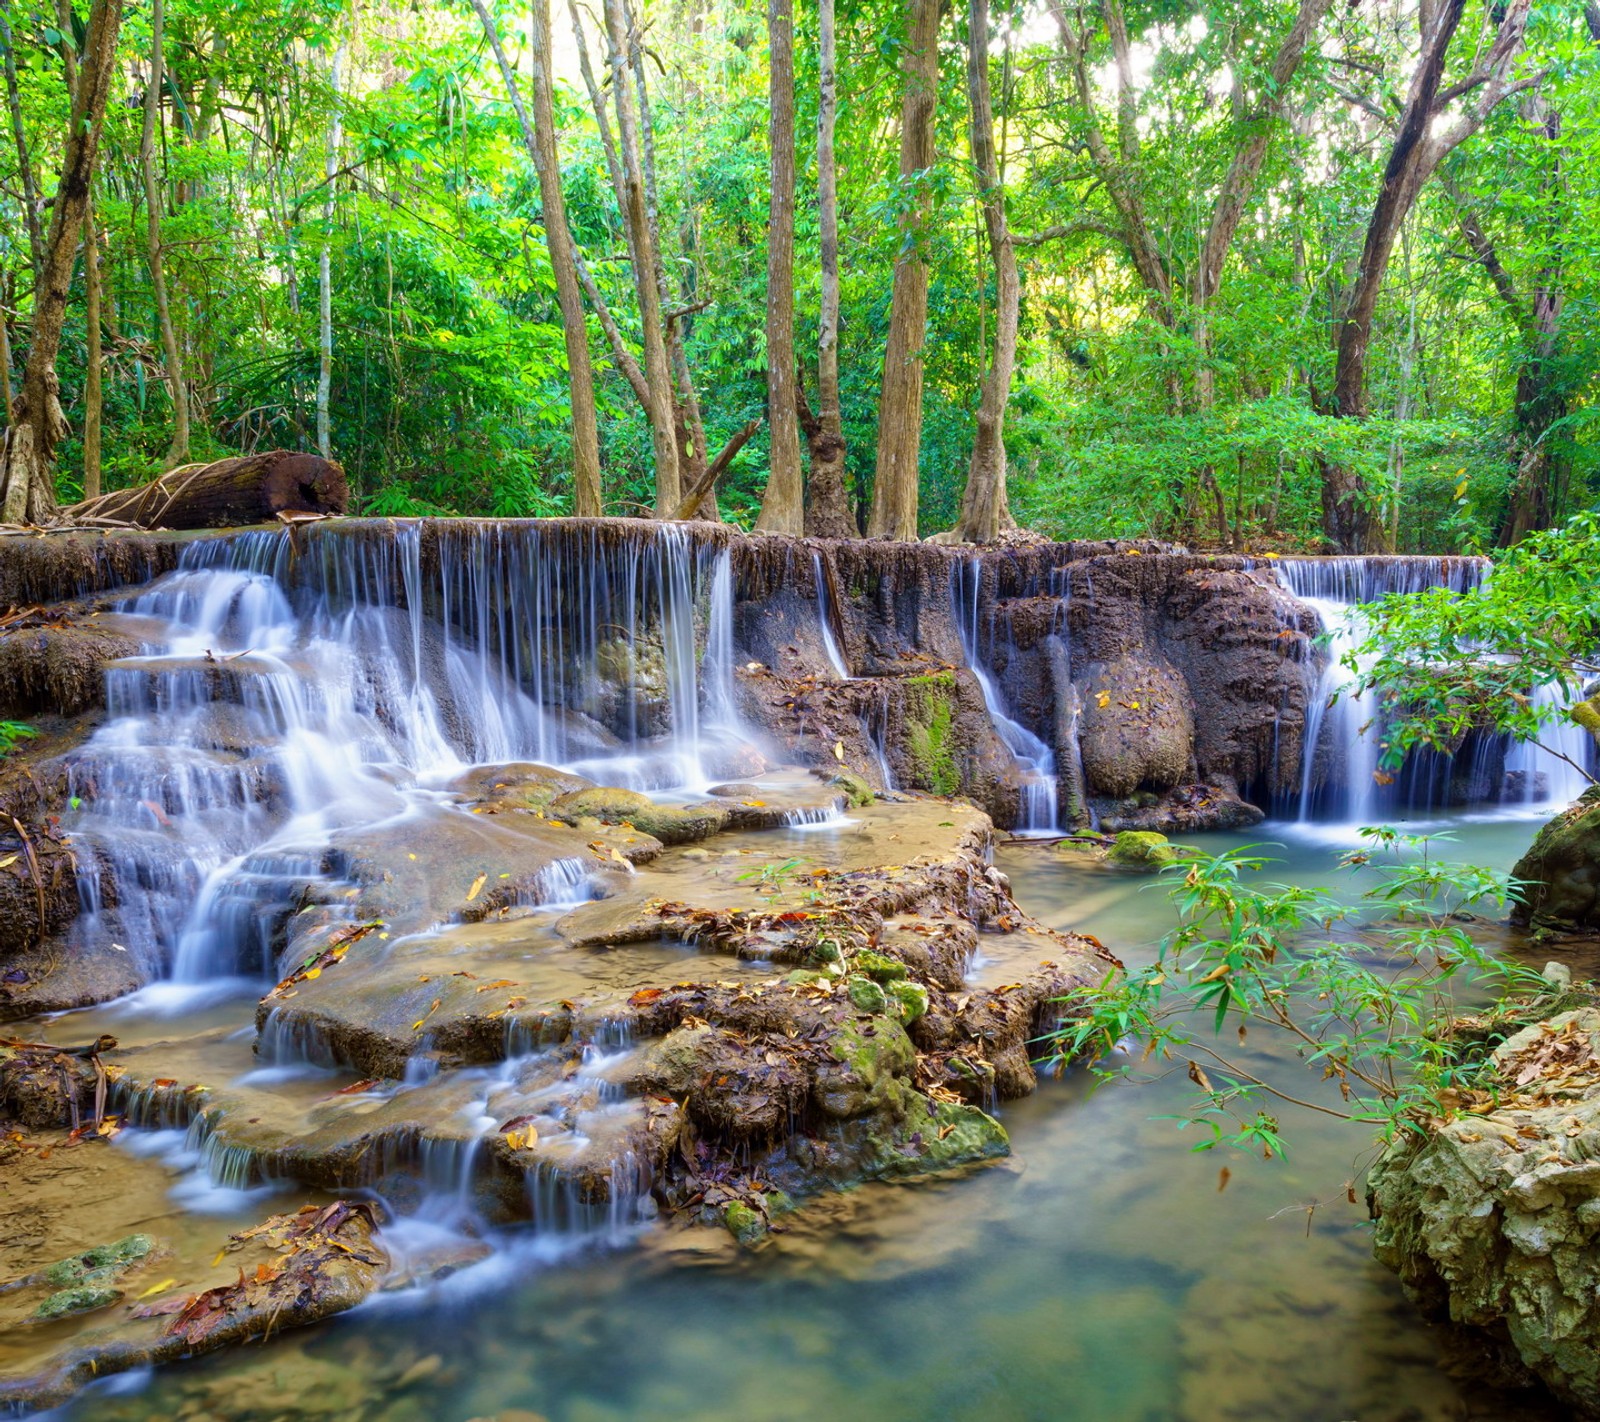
11, 732
1367, 1003
1444, 663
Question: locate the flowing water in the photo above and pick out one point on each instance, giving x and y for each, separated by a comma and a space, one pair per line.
1101, 1273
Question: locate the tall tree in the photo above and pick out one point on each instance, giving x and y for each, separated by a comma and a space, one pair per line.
783, 504
539, 137
27, 484
827, 512
1425, 133
330, 174
178, 451
895, 481
985, 510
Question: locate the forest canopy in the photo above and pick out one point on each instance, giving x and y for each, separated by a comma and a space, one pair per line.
1287, 274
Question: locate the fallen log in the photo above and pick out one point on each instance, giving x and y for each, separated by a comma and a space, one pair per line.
250, 488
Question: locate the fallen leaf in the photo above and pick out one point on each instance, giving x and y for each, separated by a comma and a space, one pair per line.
477, 887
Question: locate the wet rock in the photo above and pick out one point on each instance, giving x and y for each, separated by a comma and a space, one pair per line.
1136, 728
1560, 873
59, 665
520, 785
671, 824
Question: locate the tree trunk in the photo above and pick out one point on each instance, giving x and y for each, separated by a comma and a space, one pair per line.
254, 488
7, 397
178, 451
657, 368
985, 510
27, 459
828, 512
783, 504
330, 170
894, 493
539, 137
93, 394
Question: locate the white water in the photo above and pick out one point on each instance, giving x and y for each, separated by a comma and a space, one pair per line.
1036, 762
830, 643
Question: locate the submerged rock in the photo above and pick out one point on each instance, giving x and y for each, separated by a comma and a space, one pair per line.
1142, 849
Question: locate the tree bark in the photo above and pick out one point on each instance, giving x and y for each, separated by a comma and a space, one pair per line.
93, 392
7, 398
539, 137
178, 451
895, 491
27, 459
985, 510
252, 488
827, 512
783, 504
330, 170
657, 367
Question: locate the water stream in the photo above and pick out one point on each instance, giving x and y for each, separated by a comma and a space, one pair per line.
1099, 1274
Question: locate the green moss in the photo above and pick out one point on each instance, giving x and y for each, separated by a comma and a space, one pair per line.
867, 995
101, 1263
745, 1224
80, 1298
911, 998
930, 723
1142, 849
856, 790
878, 967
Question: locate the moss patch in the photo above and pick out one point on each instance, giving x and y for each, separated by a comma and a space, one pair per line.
930, 722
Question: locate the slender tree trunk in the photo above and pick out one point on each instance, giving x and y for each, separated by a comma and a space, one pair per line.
6, 394
828, 512
539, 137
783, 504
325, 264
27, 459
985, 510
178, 451
657, 367
894, 493
93, 395
19, 135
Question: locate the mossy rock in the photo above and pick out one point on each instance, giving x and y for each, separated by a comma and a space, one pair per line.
910, 998
80, 1298
745, 1224
1142, 849
101, 1261
857, 792
930, 712
611, 805
878, 967
866, 995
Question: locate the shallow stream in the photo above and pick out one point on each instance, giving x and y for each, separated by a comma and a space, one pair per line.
1099, 1274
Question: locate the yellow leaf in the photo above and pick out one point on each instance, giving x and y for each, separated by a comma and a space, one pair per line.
313, 972
838, 751
1133, 706
1220, 971
1461, 488
411, 856
164, 1285
218, 1259
8, 861
1102, 699
477, 887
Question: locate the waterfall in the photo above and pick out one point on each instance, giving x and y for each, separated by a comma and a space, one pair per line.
830, 644
1551, 770
293, 685
1035, 761
1340, 776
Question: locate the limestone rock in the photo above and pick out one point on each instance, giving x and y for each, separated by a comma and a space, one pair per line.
1137, 727
1561, 872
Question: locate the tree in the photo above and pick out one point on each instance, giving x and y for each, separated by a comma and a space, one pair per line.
178, 451
27, 489
783, 504
984, 507
539, 137
1425, 133
895, 482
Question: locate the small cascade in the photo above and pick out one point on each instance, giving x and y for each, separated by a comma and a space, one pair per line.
1035, 760
825, 619
1340, 780
1552, 769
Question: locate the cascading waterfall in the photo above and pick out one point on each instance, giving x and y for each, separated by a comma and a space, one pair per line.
293, 685
1340, 760
1552, 769
1036, 762
830, 643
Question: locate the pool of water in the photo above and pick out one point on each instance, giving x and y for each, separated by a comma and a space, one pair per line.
1101, 1273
